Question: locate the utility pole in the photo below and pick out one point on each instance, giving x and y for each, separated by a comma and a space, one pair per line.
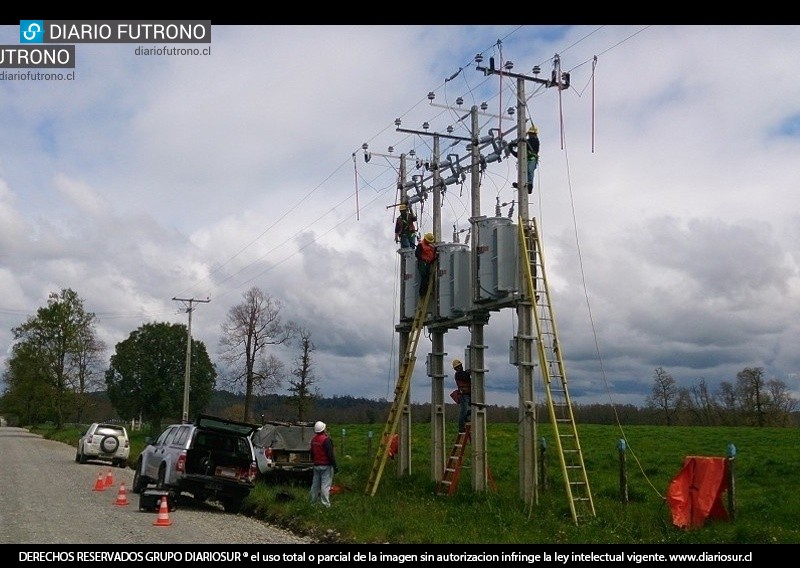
527, 431
187, 376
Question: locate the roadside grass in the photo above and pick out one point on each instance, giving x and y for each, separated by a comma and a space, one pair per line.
406, 509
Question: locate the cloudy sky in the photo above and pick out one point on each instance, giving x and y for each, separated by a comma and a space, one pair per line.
666, 192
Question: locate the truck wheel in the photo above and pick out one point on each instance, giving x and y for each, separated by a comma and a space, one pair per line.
139, 480
161, 484
232, 504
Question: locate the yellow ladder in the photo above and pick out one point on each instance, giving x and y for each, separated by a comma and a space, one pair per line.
554, 376
400, 391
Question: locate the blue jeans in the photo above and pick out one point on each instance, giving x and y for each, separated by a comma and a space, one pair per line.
407, 241
463, 412
321, 485
532, 163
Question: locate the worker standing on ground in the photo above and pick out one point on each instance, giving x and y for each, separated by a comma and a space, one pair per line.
464, 385
405, 228
324, 465
426, 255
533, 154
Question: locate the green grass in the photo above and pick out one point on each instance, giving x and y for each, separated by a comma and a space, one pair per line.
407, 510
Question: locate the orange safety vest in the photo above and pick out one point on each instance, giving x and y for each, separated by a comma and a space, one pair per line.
427, 252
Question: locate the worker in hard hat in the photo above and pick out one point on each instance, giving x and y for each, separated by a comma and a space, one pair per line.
324, 459
426, 255
405, 227
533, 154
464, 385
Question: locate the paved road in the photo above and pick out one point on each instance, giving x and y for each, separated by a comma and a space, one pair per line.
48, 498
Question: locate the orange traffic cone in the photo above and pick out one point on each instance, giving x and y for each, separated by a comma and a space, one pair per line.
99, 485
163, 514
109, 479
122, 496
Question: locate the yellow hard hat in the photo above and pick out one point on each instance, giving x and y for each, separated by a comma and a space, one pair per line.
456, 363
403, 207
429, 237
533, 130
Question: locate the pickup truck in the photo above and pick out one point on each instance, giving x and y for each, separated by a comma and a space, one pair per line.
210, 459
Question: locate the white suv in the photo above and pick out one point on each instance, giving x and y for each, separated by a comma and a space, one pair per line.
108, 442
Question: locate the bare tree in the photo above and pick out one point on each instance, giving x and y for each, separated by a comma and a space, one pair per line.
300, 388
729, 410
664, 395
783, 403
250, 328
751, 391
701, 403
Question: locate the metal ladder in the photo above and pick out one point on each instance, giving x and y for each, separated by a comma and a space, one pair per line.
400, 391
554, 376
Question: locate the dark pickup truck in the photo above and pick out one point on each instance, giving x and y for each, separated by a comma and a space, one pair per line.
210, 459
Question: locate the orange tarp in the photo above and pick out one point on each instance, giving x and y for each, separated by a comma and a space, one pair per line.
695, 494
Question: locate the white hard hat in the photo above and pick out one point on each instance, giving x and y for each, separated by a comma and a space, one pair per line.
319, 426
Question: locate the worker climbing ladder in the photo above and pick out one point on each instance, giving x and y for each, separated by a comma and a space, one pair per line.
554, 377
400, 392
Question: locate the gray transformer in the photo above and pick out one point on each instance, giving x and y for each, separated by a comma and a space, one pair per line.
497, 258
410, 284
453, 275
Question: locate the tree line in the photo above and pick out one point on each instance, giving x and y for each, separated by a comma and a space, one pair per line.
55, 372
750, 400
56, 363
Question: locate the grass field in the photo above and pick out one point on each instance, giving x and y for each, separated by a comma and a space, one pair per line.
407, 510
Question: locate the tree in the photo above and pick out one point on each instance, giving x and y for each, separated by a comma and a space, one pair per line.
300, 388
147, 373
250, 328
664, 395
752, 394
27, 392
783, 403
701, 404
61, 345
728, 404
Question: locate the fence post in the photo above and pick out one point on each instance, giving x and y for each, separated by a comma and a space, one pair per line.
623, 471
731, 481
543, 463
